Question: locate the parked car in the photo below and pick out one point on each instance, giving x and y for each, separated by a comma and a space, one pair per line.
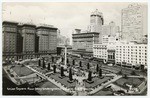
110, 64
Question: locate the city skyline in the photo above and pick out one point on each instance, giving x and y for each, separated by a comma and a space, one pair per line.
60, 16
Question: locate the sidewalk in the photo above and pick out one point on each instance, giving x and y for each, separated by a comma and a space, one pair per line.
51, 80
101, 87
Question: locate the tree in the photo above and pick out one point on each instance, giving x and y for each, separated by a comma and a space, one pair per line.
54, 68
100, 72
142, 67
49, 67
70, 74
62, 59
97, 68
62, 71
125, 76
133, 73
90, 76
119, 73
44, 64
80, 64
52, 59
39, 62
88, 65
73, 62
67, 60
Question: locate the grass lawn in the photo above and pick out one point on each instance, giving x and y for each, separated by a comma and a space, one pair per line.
40, 69
97, 81
22, 70
63, 81
56, 91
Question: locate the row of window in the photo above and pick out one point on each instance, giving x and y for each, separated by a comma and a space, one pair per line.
131, 47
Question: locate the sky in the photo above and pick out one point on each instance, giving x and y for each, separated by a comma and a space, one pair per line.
65, 16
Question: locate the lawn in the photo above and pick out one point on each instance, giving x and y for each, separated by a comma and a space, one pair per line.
63, 81
55, 91
97, 81
22, 70
40, 69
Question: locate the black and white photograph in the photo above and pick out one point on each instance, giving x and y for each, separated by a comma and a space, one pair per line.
74, 48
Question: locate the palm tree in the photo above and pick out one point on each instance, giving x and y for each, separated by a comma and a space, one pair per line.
43, 64
97, 68
62, 59
100, 72
88, 65
70, 74
49, 67
52, 59
80, 64
62, 71
133, 73
73, 62
90, 76
67, 60
39, 62
54, 68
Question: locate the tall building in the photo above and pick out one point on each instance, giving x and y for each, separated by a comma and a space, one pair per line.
96, 21
110, 29
25, 41
134, 22
47, 39
28, 34
9, 40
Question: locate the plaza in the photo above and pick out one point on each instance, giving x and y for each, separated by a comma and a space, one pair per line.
79, 76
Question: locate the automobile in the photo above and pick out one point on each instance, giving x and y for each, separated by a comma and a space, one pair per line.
4, 63
110, 64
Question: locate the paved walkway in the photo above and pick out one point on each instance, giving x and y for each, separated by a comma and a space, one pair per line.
52, 80
102, 86
116, 87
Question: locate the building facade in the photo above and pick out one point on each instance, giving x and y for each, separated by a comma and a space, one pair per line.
83, 42
25, 41
118, 53
108, 39
9, 40
96, 21
134, 22
131, 53
111, 29
100, 51
47, 37
28, 34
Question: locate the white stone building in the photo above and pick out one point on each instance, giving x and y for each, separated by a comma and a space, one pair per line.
128, 53
131, 53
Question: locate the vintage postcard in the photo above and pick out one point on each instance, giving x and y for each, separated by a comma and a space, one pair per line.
74, 48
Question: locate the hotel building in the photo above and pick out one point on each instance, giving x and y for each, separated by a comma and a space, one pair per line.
9, 39
26, 41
